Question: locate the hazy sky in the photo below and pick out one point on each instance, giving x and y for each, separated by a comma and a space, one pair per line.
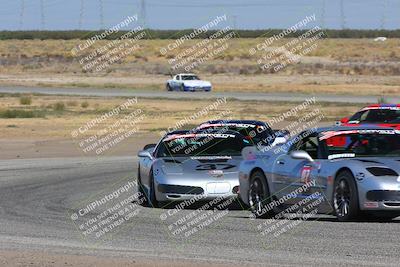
179, 14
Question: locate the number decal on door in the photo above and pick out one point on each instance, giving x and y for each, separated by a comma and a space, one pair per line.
305, 176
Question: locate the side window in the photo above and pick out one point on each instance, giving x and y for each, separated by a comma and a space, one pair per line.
360, 116
308, 144
364, 116
178, 77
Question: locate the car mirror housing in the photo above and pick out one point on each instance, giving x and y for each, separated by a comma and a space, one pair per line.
148, 146
301, 154
344, 120
145, 154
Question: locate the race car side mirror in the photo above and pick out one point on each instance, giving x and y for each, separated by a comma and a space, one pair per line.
145, 154
344, 120
148, 146
301, 154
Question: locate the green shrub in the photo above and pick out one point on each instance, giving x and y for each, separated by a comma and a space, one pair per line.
85, 104
72, 103
25, 100
59, 106
17, 113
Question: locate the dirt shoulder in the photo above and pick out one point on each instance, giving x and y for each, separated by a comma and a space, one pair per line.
32, 258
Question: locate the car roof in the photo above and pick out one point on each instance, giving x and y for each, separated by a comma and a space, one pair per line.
254, 122
210, 132
382, 106
189, 74
349, 128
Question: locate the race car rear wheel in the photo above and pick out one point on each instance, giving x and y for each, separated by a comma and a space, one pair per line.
259, 196
345, 197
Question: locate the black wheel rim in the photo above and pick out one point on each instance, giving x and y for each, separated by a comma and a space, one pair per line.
256, 196
342, 198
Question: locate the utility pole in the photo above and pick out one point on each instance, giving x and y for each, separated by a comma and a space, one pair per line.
101, 14
342, 15
234, 17
383, 17
43, 22
143, 12
21, 14
323, 14
81, 14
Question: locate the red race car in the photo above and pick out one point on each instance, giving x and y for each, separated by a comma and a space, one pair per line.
386, 115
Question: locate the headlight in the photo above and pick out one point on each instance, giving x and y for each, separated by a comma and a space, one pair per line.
379, 171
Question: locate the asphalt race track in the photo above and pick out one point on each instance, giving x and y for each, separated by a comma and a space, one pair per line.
288, 97
38, 196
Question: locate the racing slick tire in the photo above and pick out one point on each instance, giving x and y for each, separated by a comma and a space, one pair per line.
168, 87
345, 197
143, 201
259, 196
152, 200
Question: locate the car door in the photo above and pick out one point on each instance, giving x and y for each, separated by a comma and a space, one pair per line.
291, 174
177, 82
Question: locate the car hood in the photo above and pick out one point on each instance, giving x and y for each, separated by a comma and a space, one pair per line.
207, 165
389, 162
197, 83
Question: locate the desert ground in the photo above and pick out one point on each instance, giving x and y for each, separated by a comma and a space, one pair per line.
334, 66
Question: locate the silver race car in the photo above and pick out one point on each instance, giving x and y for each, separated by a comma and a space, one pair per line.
185, 165
353, 171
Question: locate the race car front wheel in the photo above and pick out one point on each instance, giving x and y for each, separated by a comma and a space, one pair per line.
152, 200
259, 196
345, 197
142, 194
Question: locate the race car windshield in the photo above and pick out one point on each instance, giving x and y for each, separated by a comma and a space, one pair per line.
257, 135
363, 145
190, 77
203, 146
377, 116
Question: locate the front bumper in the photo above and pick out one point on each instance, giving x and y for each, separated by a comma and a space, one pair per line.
202, 190
380, 194
197, 88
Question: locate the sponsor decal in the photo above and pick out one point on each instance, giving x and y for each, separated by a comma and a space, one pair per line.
216, 173
344, 155
305, 174
371, 205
